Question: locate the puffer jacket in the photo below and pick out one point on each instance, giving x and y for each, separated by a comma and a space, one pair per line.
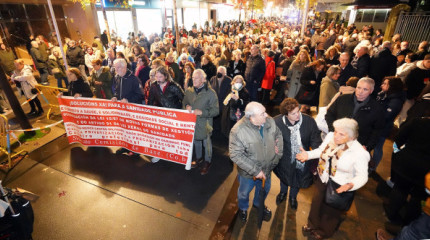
207, 101
170, 98
253, 153
255, 69
75, 56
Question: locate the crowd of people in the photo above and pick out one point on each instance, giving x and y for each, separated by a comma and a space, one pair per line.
229, 73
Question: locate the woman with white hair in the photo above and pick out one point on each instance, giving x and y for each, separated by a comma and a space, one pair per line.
342, 169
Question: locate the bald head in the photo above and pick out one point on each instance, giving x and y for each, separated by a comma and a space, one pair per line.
344, 59
386, 44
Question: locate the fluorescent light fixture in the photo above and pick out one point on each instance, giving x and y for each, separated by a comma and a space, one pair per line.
137, 3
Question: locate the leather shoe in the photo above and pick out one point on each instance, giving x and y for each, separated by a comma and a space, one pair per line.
243, 214
32, 113
205, 168
293, 203
197, 162
267, 213
280, 198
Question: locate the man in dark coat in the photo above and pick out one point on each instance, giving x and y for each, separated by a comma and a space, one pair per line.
382, 65
417, 79
361, 61
361, 107
126, 86
221, 84
350, 44
347, 70
76, 57
104, 39
40, 62
254, 72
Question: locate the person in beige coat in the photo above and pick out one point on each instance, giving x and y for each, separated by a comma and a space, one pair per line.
329, 86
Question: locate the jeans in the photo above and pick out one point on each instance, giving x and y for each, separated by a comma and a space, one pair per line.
245, 187
198, 146
293, 190
418, 229
60, 82
378, 151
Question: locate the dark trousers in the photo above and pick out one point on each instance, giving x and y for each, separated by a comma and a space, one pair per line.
252, 90
323, 218
398, 199
35, 102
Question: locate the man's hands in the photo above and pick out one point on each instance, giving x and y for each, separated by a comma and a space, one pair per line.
260, 175
114, 99
197, 112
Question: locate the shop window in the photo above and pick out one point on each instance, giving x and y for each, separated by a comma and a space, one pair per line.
40, 27
368, 16
18, 33
359, 16
380, 16
35, 11
12, 11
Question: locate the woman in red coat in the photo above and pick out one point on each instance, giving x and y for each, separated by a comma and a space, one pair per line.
269, 77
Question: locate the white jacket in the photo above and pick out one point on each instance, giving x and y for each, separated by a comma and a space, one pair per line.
351, 166
26, 78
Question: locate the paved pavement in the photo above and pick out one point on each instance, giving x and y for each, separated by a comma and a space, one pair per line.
91, 193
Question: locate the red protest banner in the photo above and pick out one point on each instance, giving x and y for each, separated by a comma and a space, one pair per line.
158, 132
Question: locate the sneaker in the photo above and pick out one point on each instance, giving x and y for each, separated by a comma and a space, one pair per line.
280, 198
243, 214
155, 160
293, 203
267, 213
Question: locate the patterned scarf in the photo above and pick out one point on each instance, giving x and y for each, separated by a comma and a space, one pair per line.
334, 152
296, 141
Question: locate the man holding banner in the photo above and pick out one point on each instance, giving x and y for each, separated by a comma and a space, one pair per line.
126, 88
202, 100
165, 92
256, 146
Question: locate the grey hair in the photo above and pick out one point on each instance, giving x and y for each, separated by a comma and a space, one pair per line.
367, 80
250, 109
201, 73
349, 125
121, 62
333, 70
224, 70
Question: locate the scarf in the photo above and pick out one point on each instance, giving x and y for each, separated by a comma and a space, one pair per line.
296, 141
358, 105
334, 152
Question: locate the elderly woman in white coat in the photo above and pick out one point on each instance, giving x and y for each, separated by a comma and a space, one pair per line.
349, 162
25, 82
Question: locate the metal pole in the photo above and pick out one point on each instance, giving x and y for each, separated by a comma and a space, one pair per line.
106, 21
54, 21
178, 40
305, 18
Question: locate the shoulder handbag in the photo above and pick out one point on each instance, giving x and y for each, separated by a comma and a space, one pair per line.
339, 201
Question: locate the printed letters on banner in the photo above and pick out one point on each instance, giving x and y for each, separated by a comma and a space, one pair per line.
158, 132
